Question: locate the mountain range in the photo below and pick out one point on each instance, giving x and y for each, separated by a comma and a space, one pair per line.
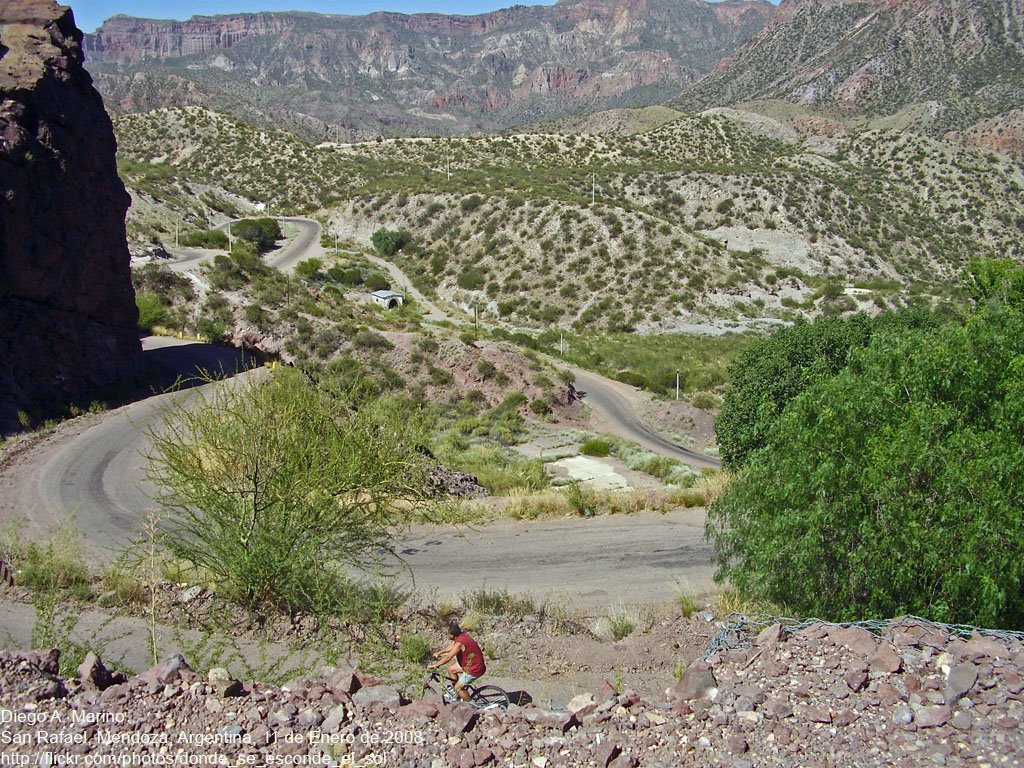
356, 77
934, 65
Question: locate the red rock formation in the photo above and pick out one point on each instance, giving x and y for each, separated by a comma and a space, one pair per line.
66, 299
485, 71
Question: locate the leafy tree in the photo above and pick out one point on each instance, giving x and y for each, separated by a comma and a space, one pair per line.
263, 233
895, 486
774, 370
151, 310
273, 488
995, 280
388, 242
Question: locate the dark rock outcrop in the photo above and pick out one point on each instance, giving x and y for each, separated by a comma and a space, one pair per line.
67, 308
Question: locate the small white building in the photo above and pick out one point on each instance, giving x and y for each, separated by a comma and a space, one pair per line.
388, 299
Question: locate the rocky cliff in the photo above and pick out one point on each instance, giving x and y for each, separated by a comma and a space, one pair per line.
945, 63
66, 300
390, 73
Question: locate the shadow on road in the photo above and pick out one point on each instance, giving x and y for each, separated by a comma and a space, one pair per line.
520, 698
180, 366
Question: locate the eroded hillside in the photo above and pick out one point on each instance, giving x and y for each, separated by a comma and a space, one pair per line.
702, 218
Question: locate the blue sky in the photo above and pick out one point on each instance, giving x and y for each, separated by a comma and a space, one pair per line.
89, 14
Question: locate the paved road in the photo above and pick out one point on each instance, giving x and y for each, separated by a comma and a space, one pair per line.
592, 563
100, 476
610, 400
305, 245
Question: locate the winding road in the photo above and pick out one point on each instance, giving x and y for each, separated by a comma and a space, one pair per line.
100, 478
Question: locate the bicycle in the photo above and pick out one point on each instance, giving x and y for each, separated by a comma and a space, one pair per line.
480, 697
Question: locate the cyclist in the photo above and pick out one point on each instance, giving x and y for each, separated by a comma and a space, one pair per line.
468, 664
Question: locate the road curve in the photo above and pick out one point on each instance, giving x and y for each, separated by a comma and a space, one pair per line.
101, 477
608, 399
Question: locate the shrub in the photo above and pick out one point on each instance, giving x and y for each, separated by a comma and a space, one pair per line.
615, 626
471, 280
211, 238
493, 602
414, 649
375, 281
151, 310
486, 369
470, 203
308, 268
595, 446
367, 339
539, 407
272, 487
55, 565
893, 487
388, 242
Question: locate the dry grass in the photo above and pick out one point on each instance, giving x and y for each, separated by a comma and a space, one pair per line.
729, 600
577, 501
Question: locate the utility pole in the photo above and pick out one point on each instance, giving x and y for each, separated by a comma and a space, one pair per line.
677, 384
561, 344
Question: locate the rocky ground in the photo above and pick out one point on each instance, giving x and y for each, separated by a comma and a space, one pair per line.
907, 694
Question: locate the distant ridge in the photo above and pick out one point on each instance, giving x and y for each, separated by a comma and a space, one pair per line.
962, 60
355, 77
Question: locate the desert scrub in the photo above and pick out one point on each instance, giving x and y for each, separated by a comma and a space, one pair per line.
670, 471
495, 602
596, 447
51, 566
620, 622
414, 649
495, 467
578, 501
273, 485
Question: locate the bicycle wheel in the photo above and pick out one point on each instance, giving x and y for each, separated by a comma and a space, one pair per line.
487, 696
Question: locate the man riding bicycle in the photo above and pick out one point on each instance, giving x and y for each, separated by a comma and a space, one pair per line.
468, 663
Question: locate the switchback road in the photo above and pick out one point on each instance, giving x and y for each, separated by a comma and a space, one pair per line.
99, 477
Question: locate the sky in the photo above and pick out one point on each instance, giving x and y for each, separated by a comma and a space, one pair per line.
89, 14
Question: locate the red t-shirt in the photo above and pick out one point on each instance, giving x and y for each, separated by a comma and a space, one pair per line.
470, 658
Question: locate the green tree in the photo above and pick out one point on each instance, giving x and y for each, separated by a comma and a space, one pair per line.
272, 487
388, 242
893, 487
151, 310
988, 281
263, 233
774, 370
